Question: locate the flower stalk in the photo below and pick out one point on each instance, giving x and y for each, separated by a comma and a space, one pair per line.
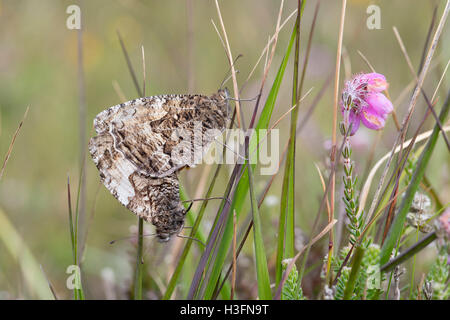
359, 254
362, 102
350, 201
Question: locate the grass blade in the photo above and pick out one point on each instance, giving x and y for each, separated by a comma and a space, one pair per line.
130, 66
285, 247
11, 145
28, 265
397, 225
139, 262
291, 263
242, 187
262, 271
78, 290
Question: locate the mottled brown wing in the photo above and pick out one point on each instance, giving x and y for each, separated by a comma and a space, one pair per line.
129, 127
149, 198
151, 132
136, 140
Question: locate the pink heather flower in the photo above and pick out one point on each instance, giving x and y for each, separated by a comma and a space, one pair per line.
444, 221
362, 97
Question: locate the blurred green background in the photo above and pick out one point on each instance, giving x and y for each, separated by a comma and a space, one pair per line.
38, 68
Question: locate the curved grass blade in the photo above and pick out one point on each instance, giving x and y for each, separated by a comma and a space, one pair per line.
20, 251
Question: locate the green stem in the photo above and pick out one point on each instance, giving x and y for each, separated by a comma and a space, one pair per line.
408, 253
397, 248
139, 263
359, 254
413, 271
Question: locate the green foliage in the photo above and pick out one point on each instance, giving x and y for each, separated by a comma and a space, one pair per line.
438, 277
370, 272
350, 199
73, 225
409, 169
368, 281
395, 231
242, 187
291, 289
336, 261
342, 283
287, 205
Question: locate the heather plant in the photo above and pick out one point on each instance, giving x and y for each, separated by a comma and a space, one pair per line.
369, 283
362, 101
435, 286
291, 289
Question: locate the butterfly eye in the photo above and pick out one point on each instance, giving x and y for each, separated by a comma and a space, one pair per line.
163, 237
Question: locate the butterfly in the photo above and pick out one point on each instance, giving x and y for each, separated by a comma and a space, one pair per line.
141, 145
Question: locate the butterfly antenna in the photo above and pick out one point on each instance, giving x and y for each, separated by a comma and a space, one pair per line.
228, 75
226, 80
251, 99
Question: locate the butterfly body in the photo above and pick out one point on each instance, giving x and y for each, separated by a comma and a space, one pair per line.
141, 145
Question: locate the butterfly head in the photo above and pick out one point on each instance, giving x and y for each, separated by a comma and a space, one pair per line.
163, 237
172, 227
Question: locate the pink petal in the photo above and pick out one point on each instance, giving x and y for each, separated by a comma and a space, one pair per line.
372, 119
354, 120
379, 103
376, 82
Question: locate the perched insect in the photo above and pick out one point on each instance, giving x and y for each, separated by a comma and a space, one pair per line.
142, 144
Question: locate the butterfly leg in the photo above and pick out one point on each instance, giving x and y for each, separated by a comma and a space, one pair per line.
187, 237
189, 207
229, 148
